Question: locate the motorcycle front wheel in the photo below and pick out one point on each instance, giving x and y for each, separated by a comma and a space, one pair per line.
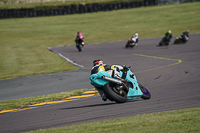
160, 43
127, 44
79, 47
146, 94
113, 95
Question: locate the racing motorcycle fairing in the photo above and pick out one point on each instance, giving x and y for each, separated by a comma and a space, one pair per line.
97, 81
181, 39
134, 91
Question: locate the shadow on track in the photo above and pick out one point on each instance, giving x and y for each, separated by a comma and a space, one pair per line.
103, 104
87, 106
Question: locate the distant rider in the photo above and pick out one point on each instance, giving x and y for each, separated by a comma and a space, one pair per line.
185, 35
136, 38
80, 38
113, 71
168, 36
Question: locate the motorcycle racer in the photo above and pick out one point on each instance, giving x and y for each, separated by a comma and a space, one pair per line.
136, 36
168, 36
185, 35
80, 38
113, 71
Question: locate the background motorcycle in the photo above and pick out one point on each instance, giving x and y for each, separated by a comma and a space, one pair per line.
79, 44
120, 90
131, 43
181, 39
164, 42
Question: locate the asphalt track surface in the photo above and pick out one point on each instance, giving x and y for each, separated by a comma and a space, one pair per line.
170, 73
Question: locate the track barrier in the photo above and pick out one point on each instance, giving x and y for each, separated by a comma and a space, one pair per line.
79, 9
72, 9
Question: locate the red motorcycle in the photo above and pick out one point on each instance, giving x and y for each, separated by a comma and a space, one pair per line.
79, 43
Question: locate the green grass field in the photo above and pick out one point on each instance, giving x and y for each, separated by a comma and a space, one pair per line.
24, 41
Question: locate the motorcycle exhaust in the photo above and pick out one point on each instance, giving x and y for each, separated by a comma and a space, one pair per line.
117, 81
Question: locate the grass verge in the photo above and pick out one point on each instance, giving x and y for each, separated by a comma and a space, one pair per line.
179, 121
23, 102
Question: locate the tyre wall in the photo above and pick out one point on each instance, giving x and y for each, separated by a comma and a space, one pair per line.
73, 9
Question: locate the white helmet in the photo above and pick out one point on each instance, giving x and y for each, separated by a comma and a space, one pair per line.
136, 34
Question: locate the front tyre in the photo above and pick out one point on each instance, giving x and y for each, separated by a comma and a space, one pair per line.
160, 43
127, 44
113, 95
79, 47
146, 94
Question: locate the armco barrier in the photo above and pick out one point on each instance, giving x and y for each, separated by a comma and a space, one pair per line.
72, 9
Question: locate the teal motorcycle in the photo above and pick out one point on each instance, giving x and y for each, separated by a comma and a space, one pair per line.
120, 90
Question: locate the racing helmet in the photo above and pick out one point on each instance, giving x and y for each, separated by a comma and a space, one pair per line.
98, 62
187, 31
136, 34
169, 31
78, 32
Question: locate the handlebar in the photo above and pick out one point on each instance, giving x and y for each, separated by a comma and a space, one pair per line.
125, 68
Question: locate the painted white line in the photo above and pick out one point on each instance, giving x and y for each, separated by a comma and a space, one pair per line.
65, 58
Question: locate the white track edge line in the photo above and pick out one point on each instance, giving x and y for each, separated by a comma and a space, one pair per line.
65, 58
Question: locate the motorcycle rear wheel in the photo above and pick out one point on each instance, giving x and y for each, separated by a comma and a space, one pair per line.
113, 96
176, 41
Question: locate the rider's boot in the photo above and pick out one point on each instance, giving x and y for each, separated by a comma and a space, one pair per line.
103, 96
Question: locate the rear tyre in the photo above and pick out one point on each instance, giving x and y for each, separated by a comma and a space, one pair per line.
167, 43
146, 94
176, 41
113, 95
